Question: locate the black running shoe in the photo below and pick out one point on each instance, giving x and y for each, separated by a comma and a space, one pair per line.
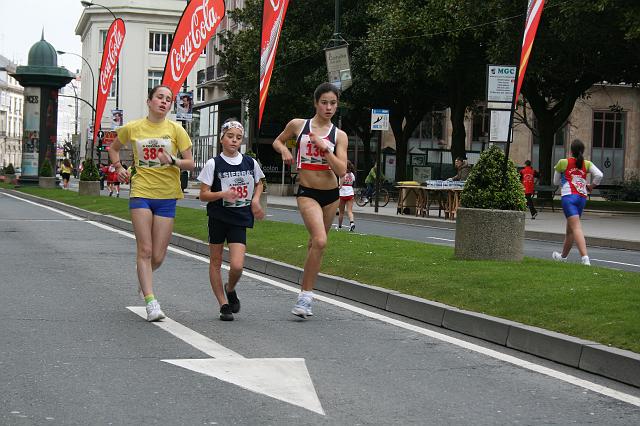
225, 313
233, 300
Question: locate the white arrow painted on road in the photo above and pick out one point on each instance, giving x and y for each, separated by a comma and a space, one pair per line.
286, 379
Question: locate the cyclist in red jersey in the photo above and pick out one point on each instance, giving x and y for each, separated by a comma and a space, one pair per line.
321, 157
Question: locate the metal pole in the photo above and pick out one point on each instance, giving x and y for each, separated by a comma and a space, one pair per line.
87, 4
378, 169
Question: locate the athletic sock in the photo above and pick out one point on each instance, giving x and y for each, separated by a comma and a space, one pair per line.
149, 298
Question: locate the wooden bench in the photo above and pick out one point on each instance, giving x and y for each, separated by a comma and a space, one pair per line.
544, 194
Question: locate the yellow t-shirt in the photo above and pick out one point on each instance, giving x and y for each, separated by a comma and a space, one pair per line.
147, 139
65, 169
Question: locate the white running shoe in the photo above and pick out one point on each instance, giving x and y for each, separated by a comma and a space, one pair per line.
585, 261
154, 313
302, 307
558, 257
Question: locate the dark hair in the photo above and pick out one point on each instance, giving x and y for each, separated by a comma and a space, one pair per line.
577, 151
325, 88
462, 160
350, 168
527, 163
155, 89
66, 162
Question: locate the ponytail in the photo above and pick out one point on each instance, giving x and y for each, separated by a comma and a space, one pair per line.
577, 151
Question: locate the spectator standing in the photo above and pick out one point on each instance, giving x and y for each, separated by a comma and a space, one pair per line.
528, 176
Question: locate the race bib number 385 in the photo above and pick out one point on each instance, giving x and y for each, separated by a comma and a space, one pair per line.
148, 151
242, 186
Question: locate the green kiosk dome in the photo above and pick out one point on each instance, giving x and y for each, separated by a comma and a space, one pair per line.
43, 54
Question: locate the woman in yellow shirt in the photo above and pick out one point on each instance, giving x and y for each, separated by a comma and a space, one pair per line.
155, 142
65, 172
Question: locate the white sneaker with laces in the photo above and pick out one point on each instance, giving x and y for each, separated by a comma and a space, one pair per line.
585, 261
154, 313
302, 307
558, 257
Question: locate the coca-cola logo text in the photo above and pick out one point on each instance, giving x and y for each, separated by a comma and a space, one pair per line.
202, 25
112, 50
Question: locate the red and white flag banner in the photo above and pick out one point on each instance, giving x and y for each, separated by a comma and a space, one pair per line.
197, 25
110, 54
273, 14
534, 11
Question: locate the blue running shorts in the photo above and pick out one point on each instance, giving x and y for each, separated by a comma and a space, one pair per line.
159, 207
573, 204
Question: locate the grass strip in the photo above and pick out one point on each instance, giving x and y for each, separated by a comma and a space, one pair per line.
598, 304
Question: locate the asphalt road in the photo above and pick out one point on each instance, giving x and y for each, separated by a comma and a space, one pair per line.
72, 353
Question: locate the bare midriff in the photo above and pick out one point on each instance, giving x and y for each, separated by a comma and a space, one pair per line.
317, 179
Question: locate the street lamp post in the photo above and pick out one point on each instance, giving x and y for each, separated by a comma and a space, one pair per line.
93, 80
92, 109
88, 4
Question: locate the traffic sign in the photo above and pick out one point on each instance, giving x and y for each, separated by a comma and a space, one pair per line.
379, 119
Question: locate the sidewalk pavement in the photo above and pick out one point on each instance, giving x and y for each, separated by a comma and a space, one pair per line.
604, 229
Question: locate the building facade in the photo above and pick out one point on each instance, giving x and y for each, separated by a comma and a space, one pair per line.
11, 115
212, 102
607, 120
149, 26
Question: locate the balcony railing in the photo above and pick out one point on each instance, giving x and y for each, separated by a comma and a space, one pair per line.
214, 73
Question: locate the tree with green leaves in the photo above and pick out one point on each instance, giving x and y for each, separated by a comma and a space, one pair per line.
578, 44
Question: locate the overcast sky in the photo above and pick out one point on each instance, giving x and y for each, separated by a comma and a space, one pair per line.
22, 24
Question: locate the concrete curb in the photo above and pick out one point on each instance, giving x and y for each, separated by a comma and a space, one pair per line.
614, 363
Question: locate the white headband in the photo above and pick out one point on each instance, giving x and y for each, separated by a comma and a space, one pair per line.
232, 125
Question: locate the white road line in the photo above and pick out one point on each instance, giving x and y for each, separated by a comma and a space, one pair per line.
594, 387
195, 339
53, 209
441, 239
616, 263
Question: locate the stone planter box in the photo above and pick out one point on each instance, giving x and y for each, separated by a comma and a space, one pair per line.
9, 178
89, 187
483, 234
47, 182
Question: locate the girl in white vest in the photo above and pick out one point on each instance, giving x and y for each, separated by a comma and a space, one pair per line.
231, 186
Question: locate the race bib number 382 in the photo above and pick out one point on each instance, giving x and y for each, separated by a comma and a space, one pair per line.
149, 149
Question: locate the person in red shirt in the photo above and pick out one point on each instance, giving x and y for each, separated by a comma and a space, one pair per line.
527, 177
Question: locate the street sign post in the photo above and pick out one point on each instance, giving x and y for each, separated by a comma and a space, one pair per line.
379, 121
338, 66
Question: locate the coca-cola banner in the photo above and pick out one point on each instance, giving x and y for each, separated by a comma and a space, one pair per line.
273, 14
196, 26
110, 54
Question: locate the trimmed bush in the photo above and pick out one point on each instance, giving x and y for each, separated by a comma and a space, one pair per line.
89, 171
485, 188
631, 188
46, 169
9, 170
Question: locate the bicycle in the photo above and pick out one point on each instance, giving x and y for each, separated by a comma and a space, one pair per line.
361, 198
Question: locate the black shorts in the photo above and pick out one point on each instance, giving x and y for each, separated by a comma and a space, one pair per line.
220, 231
324, 197
65, 176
